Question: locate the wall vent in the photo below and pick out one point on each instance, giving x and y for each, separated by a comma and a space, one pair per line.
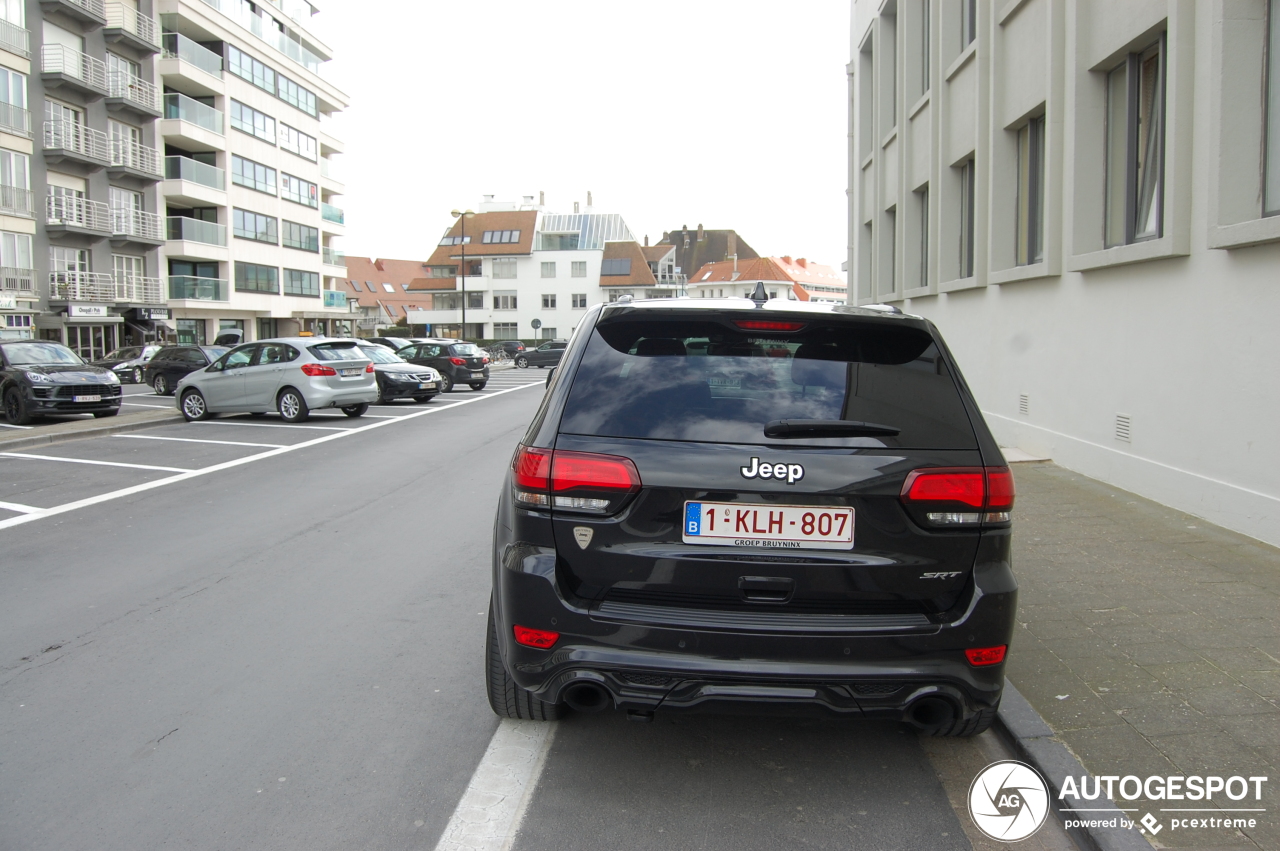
1122, 427
1024, 404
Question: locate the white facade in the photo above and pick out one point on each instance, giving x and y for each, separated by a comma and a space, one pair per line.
1110, 287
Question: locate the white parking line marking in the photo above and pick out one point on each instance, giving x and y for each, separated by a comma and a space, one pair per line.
226, 465
195, 440
267, 425
142, 405
495, 800
98, 463
21, 509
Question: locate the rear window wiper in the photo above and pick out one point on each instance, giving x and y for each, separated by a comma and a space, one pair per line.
827, 428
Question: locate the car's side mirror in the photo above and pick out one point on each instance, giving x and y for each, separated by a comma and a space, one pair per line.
550, 372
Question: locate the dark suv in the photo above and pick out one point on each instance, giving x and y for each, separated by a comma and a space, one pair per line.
170, 364
795, 508
458, 362
38, 378
547, 354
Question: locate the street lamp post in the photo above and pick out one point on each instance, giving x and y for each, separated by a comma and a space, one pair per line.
462, 333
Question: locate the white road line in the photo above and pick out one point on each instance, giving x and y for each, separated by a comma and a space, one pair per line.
267, 425
21, 509
97, 463
6, 425
494, 803
141, 405
215, 468
194, 440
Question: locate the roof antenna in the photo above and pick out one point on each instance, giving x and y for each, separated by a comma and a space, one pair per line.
760, 296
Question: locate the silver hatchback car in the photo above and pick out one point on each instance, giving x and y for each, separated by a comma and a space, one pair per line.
291, 375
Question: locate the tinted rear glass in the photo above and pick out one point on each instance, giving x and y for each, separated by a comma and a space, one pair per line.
703, 381
465, 349
337, 351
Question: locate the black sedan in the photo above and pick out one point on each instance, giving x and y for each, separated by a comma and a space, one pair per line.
170, 364
129, 363
457, 362
548, 354
398, 379
39, 378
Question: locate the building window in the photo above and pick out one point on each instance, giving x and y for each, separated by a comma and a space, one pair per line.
190, 332
246, 119
922, 203
456, 240
475, 301
1271, 182
252, 278
579, 299
297, 142
891, 252
1135, 148
548, 301
578, 269
504, 329
1030, 225
246, 67
298, 282
498, 237
616, 267
548, 270
444, 271
504, 301
615, 295
504, 267
294, 95
302, 237
298, 191
968, 22
253, 175
926, 11
967, 192
246, 224
548, 333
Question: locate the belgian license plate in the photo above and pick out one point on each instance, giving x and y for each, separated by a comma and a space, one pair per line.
787, 527
87, 398
355, 371
479, 374
427, 385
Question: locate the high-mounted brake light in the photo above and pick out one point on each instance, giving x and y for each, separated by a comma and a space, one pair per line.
964, 496
457, 361
767, 325
315, 369
540, 638
574, 481
981, 656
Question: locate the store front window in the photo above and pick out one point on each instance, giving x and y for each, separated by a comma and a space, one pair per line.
91, 342
191, 332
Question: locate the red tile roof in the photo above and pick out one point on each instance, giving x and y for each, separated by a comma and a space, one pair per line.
802, 275
521, 220
640, 275
362, 271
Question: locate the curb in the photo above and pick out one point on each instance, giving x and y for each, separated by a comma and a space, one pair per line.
88, 428
1033, 742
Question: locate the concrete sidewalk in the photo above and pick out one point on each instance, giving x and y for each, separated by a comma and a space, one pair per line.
1149, 640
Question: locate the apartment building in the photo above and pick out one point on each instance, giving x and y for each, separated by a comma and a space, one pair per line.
523, 263
1084, 197
783, 277
253, 225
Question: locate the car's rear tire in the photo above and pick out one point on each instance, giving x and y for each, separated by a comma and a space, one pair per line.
424, 398
111, 413
446, 383
137, 375
16, 410
193, 406
478, 385
356, 410
160, 384
966, 728
506, 698
292, 406
522, 362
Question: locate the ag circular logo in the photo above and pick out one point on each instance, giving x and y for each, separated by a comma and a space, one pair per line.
1008, 801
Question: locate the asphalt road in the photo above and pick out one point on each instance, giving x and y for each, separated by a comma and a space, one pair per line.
243, 634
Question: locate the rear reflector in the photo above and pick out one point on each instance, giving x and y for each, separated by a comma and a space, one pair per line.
315, 369
980, 656
767, 325
540, 638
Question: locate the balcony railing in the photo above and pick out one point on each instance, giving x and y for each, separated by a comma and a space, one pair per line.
77, 138
198, 289
15, 280
136, 223
138, 290
183, 108
185, 168
196, 230
17, 201
134, 89
335, 298
15, 39
122, 17
59, 59
330, 213
15, 119
178, 46
93, 7
335, 257
264, 28
81, 286
68, 210
130, 154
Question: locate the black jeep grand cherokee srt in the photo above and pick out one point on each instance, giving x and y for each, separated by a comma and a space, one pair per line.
793, 506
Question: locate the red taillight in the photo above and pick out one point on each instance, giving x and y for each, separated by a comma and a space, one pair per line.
570, 470
767, 325
486, 360
980, 656
583, 482
999, 489
369, 368
945, 484
457, 361
986, 490
532, 468
540, 638
314, 369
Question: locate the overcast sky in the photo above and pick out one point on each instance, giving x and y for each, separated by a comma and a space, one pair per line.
731, 113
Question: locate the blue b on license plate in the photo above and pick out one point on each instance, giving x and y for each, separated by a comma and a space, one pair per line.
788, 527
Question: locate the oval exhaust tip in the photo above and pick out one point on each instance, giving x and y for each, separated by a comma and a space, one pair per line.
586, 697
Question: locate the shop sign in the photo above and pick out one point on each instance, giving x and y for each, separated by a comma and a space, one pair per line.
8, 301
87, 310
153, 313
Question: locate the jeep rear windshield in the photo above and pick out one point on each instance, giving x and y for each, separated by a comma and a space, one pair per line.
710, 381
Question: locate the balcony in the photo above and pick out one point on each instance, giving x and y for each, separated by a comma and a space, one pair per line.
136, 226
15, 39
67, 140
137, 290
190, 66
330, 213
62, 66
81, 286
185, 168
191, 121
264, 28
193, 239
334, 257
127, 25
16, 201
335, 299
197, 289
15, 120
17, 281
68, 214
125, 91
92, 12
131, 159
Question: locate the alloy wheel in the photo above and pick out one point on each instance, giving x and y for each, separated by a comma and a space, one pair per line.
289, 406
161, 386
193, 406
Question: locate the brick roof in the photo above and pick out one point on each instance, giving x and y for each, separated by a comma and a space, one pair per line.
795, 273
378, 272
521, 220
641, 275
655, 253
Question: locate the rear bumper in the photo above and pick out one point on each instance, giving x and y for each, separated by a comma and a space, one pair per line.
338, 397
